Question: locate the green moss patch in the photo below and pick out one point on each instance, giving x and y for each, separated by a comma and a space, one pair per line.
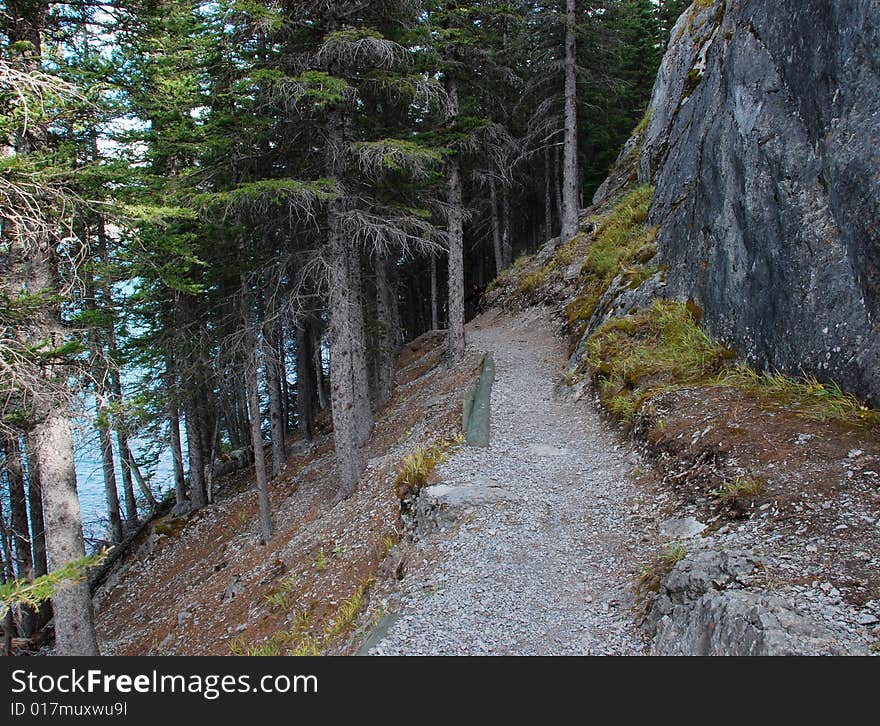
170, 526
634, 357
621, 244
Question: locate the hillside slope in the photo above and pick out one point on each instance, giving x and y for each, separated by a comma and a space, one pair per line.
201, 585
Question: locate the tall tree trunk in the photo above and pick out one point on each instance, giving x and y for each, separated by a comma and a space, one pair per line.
173, 413
35, 510
283, 383
455, 231
21, 536
435, 295
386, 302
344, 307
253, 398
38, 527
176, 453
187, 375
259, 452
349, 455
349, 397
197, 493
276, 407
395, 323
506, 236
6, 575
305, 382
72, 604
109, 468
496, 228
570, 161
557, 183
548, 196
240, 401
362, 407
320, 380
206, 416
131, 512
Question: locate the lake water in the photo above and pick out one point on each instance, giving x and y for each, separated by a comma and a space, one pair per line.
90, 477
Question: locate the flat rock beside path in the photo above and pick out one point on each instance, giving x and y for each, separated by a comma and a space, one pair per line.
546, 564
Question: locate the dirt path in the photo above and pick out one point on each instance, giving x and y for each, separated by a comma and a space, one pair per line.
549, 569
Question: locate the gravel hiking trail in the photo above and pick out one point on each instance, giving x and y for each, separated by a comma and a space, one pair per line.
549, 568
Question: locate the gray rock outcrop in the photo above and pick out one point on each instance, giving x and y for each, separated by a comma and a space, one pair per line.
764, 147
702, 609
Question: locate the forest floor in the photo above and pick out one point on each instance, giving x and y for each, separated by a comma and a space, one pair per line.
202, 585
550, 565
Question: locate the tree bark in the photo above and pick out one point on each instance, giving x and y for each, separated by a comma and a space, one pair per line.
395, 323
72, 604
35, 510
21, 536
305, 383
131, 511
283, 383
38, 527
109, 469
320, 380
506, 237
344, 305
276, 407
6, 575
496, 228
186, 371
548, 196
176, 453
570, 160
259, 452
455, 230
362, 408
197, 493
435, 295
206, 416
557, 183
343, 394
173, 414
386, 302
240, 402
349, 392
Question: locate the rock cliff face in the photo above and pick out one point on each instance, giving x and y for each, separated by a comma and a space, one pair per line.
764, 147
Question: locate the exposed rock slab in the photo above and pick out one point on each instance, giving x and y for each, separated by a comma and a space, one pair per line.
680, 528
441, 505
762, 145
702, 609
